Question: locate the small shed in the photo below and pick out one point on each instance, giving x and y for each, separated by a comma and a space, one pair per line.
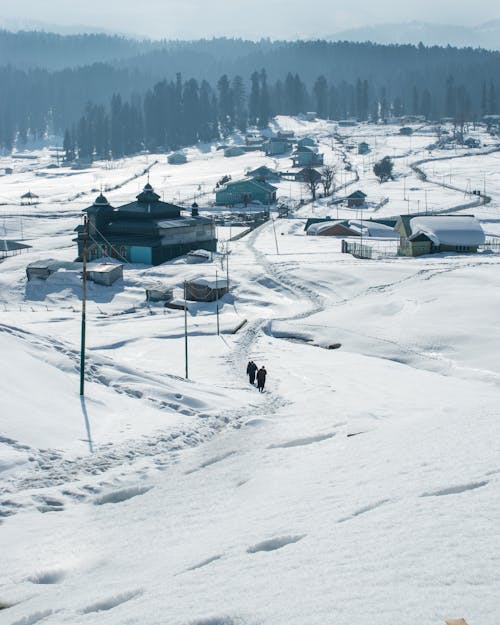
8, 170
363, 148
199, 256
159, 293
104, 273
29, 198
233, 150
177, 158
42, 269
357, 198
205, 289
406, 131
345, 123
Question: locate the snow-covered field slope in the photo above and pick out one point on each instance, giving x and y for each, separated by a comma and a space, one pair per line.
361, 487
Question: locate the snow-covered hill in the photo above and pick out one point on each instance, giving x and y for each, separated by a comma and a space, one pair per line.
361, 487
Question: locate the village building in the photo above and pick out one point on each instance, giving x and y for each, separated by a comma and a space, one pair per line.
264, 173
310, 116
406, 131
357, 198
331, 228
423, 234
363, 148
286, 134
245, 192
308, 174
177, 158
306, 142
346, 123
306, 157
203, 289
146, 231
276, 145
8, 171
233, 150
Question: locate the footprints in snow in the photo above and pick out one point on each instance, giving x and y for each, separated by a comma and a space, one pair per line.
124, 494
455, 490
211, 461
275, 543
111, 602
48, 577
364, 510
33, 618
203, 563
309, 440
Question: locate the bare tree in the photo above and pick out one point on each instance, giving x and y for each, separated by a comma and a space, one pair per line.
311, 179
328, 179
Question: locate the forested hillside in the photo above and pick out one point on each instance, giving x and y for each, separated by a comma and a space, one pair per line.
164, 94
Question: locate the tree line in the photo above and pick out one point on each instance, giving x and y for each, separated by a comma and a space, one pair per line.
139, 101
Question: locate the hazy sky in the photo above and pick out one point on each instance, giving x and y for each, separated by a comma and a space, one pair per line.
256, 18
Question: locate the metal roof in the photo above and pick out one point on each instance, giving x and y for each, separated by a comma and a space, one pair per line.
7, 245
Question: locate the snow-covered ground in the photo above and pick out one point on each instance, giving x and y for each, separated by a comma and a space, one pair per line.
361, 487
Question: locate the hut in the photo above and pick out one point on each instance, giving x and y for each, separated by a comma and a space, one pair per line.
264, 173
159, 293
306, 142
104, 273
177, 158
205, 289
233, 150
363, 148
431, 234
357, 198
308, 174
8, 171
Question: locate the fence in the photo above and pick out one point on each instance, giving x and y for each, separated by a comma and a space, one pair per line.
377, 249
491, 244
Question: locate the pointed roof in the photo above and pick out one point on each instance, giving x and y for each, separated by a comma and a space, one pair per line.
101, 200
148, 195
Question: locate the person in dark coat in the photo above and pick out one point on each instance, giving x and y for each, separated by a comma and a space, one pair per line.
261, 379
251, 371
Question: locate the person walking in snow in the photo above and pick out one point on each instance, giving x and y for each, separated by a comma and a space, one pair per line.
261, 379
251, 371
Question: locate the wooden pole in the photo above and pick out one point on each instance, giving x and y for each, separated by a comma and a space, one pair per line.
217, 296
275, 237
185, 332
84, 306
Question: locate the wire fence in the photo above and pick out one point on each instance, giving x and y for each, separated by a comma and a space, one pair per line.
376, 250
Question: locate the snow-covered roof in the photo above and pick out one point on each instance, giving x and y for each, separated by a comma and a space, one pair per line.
320, 226
373, 229
448, 230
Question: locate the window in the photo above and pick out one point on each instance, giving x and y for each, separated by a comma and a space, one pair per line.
104, 250
123, 251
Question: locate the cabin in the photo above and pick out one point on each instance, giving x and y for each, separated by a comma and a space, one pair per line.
8, 171
276, 145
308, 174
307, 157
357, 198
363, 148
306, 142
406, 131
331, 228
233, 150
431, 234
286, 134
245, 192
177, 158
346, 123
264, 173
470, 142
146, 231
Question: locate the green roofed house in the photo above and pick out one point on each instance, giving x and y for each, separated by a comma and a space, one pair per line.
245, 192
306, 157
146, 231
276, 145
264, 173
306, 142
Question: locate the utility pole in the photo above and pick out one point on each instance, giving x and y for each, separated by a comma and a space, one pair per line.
275, 237
185, 331
84, 305
217, 299
227, 266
